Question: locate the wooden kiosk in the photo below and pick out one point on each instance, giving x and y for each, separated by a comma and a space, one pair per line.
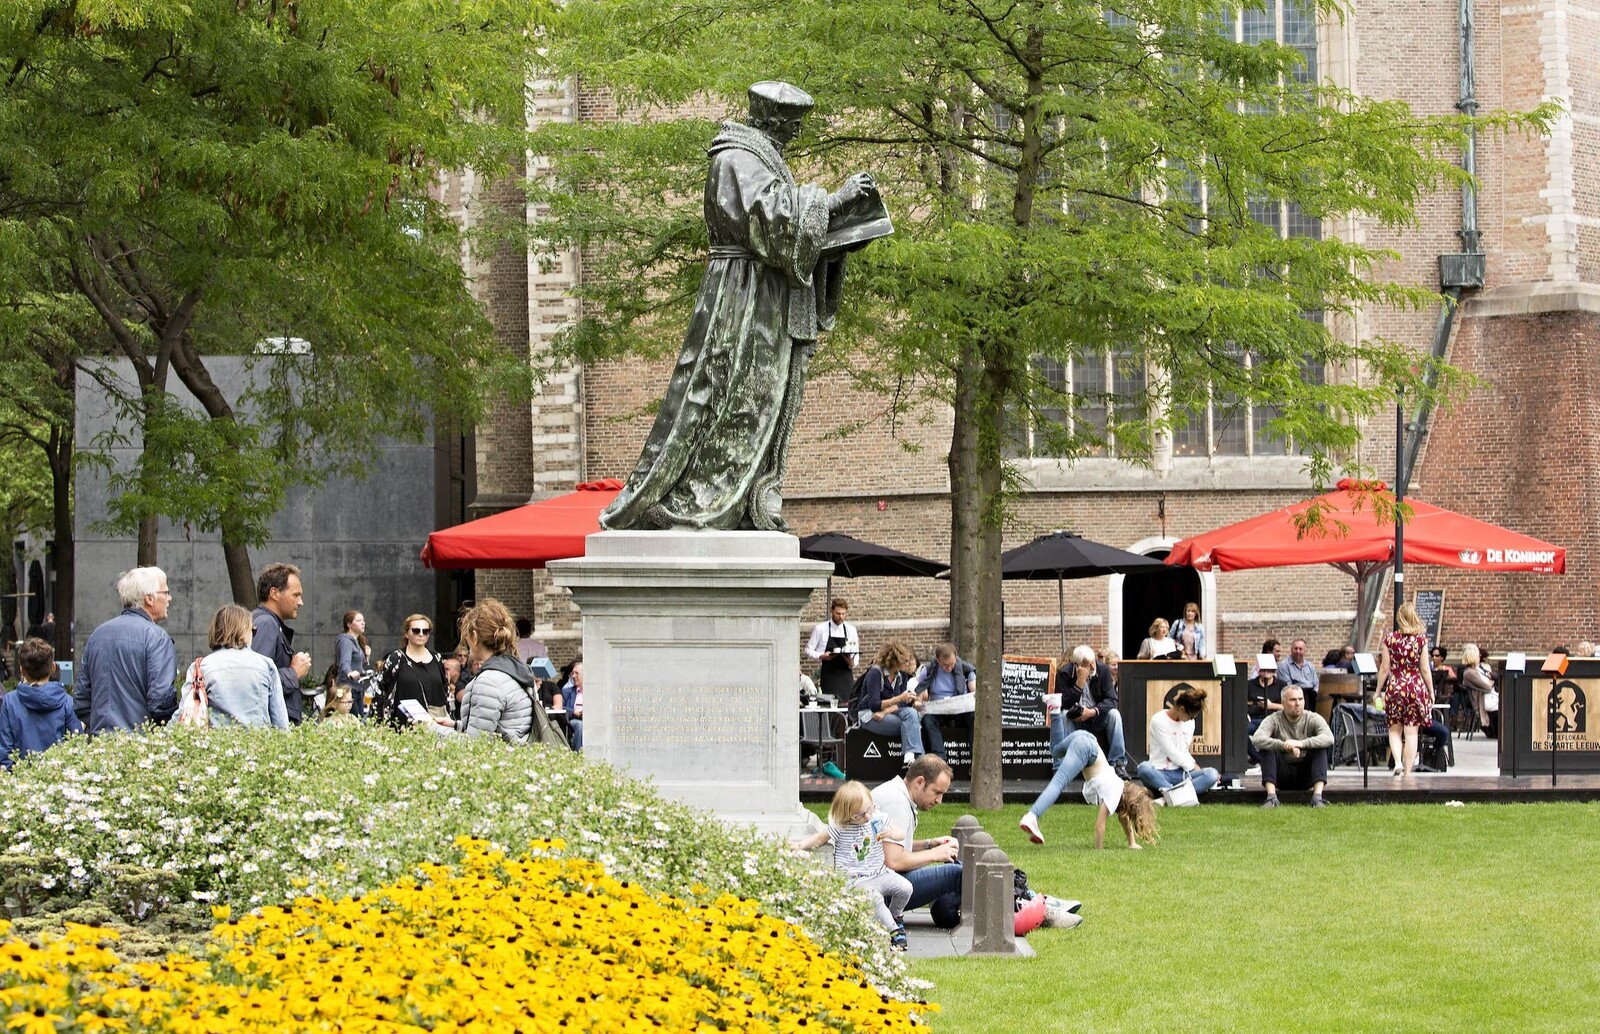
1145, 687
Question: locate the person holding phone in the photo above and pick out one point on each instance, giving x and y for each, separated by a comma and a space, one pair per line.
886, 706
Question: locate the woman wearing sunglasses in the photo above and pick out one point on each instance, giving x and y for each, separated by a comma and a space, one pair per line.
413, 672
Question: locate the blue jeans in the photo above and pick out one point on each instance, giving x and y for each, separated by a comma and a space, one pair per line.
939, 886
933, 881
1074, 753
905, 723
575, 733
1157, 779
1116, 749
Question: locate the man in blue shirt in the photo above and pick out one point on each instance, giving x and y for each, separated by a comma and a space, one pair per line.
943, 677
126, 676
1299, 671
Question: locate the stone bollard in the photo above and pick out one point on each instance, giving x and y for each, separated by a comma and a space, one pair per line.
971, 850
994, 919
965, 826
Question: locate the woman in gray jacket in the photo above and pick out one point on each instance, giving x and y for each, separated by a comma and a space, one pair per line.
502, 698
242, 686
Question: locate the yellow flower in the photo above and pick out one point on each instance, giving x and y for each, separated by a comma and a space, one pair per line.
34, 1021
496, 943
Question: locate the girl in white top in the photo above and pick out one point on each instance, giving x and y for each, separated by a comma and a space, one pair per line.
1130, 802
857, 830
1171, 733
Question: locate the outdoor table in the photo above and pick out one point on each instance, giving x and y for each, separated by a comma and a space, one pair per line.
1336, 686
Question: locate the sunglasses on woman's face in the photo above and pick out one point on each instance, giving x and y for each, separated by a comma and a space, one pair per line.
422, 631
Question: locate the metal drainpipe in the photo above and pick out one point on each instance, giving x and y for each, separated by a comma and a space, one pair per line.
1457, 272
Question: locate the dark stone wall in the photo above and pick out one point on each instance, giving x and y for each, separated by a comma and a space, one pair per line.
356, 543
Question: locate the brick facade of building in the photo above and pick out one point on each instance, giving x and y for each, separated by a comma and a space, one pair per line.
1518, 450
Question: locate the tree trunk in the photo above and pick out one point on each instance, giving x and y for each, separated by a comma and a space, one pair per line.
986, 489
236, 554
61, 455
191, 370
965, 506
150, 522
8, 590
989, 391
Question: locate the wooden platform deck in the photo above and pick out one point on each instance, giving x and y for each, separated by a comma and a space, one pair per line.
1475, 778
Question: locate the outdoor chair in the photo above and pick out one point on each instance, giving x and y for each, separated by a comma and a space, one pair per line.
1464, 712
823, 732
1346, 727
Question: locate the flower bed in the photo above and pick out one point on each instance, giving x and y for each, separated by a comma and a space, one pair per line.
157, 825
539, 942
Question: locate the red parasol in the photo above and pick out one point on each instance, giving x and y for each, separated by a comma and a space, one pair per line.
529, 536
1350, 533
1353, 539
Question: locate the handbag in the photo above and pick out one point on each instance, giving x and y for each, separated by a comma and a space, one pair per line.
1182, 795
541, 729
196, 707
1491, 700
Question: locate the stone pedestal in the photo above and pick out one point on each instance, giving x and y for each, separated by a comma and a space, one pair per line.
691, 664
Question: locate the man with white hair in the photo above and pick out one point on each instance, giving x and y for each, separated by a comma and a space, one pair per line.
1089, 701
126, 675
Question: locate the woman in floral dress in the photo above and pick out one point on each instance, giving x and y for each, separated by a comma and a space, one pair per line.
1409, 680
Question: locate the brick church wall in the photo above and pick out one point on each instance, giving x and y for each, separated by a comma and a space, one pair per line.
1531, 233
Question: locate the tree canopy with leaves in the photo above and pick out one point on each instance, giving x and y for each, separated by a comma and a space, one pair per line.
257, 178
1068, 178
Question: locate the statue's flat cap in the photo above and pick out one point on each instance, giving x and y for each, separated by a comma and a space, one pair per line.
771, 98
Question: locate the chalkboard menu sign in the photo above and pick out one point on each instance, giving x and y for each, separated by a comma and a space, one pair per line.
1023, 683
1430, 608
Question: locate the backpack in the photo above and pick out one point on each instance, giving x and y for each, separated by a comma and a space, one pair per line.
853, 707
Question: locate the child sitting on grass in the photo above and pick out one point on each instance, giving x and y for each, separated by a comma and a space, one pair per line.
857, 832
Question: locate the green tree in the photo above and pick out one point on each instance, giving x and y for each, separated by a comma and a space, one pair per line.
1067, 178
258, 178
36, 434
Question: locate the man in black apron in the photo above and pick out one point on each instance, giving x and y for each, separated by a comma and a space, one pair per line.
835, 644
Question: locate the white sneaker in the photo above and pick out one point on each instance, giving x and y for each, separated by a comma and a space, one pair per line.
1029, 824
1061, 914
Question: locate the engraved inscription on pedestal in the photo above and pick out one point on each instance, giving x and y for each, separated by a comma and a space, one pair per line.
676, 718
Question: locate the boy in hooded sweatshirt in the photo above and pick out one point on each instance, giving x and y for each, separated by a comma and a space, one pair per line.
39, 711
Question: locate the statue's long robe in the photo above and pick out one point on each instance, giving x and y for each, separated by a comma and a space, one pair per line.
716, 455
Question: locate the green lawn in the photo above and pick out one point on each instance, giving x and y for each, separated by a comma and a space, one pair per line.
1361, 917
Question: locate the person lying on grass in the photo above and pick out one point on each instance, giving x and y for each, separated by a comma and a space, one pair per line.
1080, 752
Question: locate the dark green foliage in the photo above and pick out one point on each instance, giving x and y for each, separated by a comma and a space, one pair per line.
206, 177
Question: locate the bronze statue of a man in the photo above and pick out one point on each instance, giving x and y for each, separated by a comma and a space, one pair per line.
716, 455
